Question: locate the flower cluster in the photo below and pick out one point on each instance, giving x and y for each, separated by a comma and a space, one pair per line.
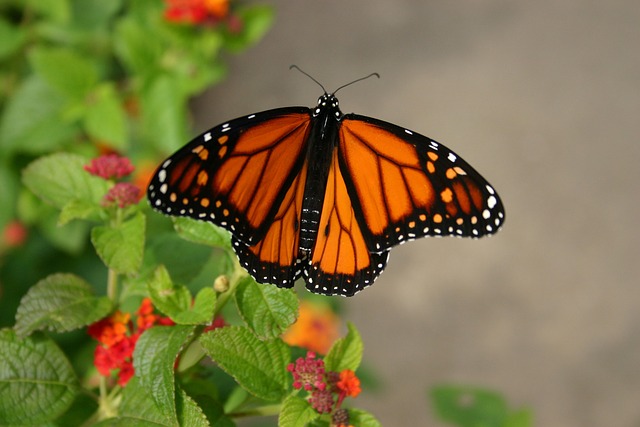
110, 166
113, 166
117, 337
326, 390
316, 328
196, 11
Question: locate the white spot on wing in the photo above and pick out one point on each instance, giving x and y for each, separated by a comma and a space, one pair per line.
207, 137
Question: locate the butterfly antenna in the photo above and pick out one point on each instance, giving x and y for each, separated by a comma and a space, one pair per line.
356, 81
308, 75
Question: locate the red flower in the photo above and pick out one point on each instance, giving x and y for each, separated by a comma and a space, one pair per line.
196, 11
322, 401
122, 194
110, 166
125, 374
14, 233
118, 340
111, 329
218, 322
308, 373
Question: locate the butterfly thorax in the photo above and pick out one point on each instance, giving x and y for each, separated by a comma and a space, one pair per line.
323, 139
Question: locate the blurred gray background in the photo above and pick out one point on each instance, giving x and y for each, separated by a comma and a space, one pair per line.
543, 98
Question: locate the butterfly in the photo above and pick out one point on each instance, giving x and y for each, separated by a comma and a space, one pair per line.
322, 195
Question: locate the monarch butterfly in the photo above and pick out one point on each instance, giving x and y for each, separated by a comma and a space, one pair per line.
314, 193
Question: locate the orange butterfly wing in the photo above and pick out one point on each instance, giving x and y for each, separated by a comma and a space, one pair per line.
247, 176
341, 263
388, 185
404, 186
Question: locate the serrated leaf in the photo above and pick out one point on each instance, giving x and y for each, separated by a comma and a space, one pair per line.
202, 232
469, 406
31, 120
61, 302
153, 360
105, 119
137, 409
60, 179
360, 418
202, 310
169, 298
66, 71
267, 310
79, 209
258, 366
189, 413
175, 300
121, 246
37, 382
297, 412
346, 353
213, 410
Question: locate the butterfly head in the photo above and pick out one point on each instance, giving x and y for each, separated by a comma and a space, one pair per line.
328, 105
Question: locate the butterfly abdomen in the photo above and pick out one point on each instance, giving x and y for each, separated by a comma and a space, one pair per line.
322, 142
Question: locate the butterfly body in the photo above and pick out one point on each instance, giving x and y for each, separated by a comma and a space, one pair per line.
313, 193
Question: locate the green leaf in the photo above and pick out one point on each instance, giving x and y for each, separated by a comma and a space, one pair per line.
468, 406
189, 413
37, 382
121, 246
57, 11
63, 69
202, 232
213, 410
267, 310
137, 409
153, 360
60, 302
175, 300
79, 209
12, 37
137, 47
60, 179
297, 412
346, 353
168, 298
90, 14
519, 418
105, 118
260, 367
360, 418
32, 122
256, 20
163, 118
202, 310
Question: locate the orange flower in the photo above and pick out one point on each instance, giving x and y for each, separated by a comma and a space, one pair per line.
316, 328
349, 384
110, 330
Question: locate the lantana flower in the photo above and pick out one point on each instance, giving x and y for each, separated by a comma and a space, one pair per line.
110, 166
316, 328
122, 194
327, 389
196, 11
117, 336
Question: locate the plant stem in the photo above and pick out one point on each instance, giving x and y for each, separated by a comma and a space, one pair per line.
112, 284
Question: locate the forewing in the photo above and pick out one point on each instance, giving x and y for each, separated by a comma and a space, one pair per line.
404, 185
236, 175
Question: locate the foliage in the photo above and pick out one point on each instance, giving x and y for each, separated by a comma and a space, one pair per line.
122, 316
